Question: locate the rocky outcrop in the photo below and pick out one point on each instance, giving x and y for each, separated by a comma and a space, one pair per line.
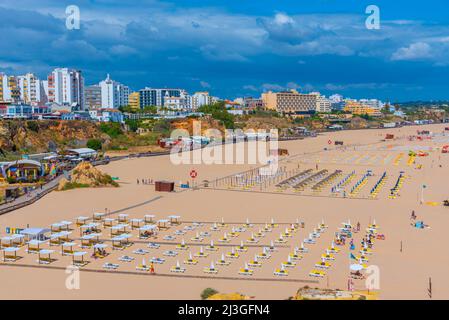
86, 175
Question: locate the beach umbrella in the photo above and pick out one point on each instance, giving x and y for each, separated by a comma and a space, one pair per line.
212, 267
190, 256
212, 243
222, 257
356, 267
143, 262
177, 264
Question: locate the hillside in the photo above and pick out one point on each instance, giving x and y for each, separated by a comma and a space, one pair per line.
40, 136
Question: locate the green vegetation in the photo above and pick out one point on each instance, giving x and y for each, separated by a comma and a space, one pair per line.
74, 185
218, 112
207, 293
94, 144
33, 126
112, 129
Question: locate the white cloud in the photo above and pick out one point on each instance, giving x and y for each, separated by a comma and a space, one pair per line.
205, 84
415, 51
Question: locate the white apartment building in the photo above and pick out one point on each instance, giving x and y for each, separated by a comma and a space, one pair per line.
9, 90
31, 89
372, 103
66, 87
113, 94
323, 105
201, 98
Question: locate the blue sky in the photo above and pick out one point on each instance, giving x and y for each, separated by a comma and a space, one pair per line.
238, 48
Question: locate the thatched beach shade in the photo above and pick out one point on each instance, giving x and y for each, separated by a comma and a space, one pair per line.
149, 218
162, 224
89, 227
119, 242
174, 219
98, 216
45, 260
10, 254
34, 245
147, 231
81, 220
18, 240
136, 223
89, 240
119, 229
123, 218
6, 242
54, 239
56, 227
69, 251
98, 247
78, 259
108, 222
66, 225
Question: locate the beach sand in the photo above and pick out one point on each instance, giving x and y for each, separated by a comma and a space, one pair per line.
403, 275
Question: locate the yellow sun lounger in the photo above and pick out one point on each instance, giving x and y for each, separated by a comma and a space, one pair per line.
317, 273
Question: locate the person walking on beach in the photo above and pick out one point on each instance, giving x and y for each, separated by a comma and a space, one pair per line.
152, 268
413, 216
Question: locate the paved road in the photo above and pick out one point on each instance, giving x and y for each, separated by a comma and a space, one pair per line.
30, 197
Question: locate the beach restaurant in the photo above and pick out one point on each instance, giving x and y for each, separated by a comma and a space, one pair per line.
35, 233
79, 154
22, 170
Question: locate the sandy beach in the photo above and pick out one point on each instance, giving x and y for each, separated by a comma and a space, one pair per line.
404, 273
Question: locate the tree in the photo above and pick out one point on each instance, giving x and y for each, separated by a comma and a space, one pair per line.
112, 129
132, 124
218, 112
207, 293
94, 144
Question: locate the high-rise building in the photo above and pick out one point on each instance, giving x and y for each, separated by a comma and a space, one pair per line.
134, 100
66, 87
93, 97
200, 98
323, 104
360, 108
156, 97
30, 89
113, 94
290, 102
10, 91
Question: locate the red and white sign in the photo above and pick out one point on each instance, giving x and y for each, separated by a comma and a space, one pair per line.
193, 174
329, 142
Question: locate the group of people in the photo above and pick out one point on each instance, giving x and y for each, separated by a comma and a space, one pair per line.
145, 181
99, 252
